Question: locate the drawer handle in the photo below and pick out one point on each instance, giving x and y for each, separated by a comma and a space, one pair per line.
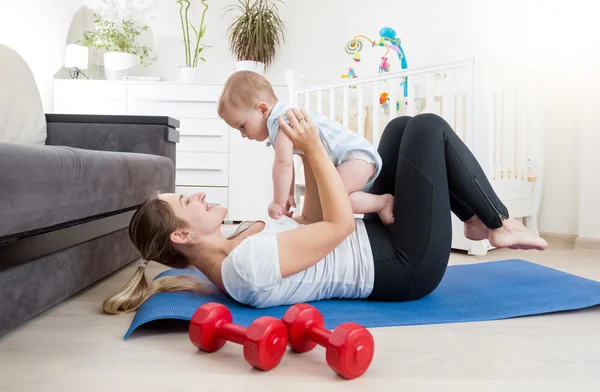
202, 134
200, 168
139, 99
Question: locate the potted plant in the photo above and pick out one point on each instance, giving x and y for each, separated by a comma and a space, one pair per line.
192, 49
255, 34
118, 38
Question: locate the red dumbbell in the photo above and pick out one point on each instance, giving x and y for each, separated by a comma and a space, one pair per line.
264, 342
349, 348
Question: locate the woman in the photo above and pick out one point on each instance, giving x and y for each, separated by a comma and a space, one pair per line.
326, 253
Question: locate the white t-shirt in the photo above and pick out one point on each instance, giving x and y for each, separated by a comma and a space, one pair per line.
252, 276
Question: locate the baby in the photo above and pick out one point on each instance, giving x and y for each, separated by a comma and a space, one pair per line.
248, 103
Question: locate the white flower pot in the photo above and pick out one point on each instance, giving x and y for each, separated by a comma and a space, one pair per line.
118, 64
187, 74
255, 66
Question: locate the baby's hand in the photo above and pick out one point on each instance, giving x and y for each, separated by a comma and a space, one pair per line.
276, 210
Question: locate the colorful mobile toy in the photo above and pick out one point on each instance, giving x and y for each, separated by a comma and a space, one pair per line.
387, 38
350, 75
384, 101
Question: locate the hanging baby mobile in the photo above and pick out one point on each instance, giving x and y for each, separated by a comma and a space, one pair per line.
387, 38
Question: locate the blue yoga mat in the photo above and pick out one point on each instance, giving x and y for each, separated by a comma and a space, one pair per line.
474, 292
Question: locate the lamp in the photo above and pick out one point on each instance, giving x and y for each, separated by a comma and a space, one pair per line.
76, 58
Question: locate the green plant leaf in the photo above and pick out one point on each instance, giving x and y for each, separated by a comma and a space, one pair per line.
195, 31
192, 51
257, 32
121, 36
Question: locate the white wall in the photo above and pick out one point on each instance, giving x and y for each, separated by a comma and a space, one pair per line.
37, 30
559, 44
555, 39
315, 41
589, 169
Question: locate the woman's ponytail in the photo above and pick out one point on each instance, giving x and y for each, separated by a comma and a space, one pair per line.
137, 290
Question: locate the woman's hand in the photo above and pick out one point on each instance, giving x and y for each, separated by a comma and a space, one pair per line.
291, 203
303, 132
303, 247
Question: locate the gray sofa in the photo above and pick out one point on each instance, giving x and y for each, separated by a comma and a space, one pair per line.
65, 206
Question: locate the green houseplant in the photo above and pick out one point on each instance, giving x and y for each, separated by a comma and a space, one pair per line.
256, 33
118, 39
193, 49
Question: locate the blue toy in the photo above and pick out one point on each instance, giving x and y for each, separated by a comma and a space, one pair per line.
387, 38
350, 75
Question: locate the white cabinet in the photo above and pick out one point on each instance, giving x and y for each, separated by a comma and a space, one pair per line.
211, 157
90, 97
203, 135
250, 173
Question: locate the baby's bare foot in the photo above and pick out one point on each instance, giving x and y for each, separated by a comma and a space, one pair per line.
475, 230
387, 213
514, 235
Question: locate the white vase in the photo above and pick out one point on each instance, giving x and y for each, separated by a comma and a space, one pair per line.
255, 66
118, 64
187, 74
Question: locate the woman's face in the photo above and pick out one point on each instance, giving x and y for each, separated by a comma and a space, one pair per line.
202, 218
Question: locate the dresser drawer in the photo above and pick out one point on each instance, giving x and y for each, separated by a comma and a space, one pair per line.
203, 135
176, 110
175, 100
174, 92
218, 196
202, 169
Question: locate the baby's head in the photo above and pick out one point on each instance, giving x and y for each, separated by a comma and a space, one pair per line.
245, 104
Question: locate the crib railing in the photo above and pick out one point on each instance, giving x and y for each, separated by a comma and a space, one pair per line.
513, 130
484, 101
365, 94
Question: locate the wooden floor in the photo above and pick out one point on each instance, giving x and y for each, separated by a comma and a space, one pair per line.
74, 347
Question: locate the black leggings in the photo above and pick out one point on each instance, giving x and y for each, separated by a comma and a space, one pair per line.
431, 172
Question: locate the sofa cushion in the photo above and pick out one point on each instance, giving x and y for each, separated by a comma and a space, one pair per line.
45, 186
22, 117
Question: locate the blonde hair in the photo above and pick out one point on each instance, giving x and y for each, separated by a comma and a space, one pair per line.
244, 89
149, 230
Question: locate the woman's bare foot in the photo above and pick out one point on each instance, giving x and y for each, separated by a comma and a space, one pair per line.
475, 230
514, 235
387, 212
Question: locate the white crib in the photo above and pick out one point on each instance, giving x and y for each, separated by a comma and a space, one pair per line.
491, 104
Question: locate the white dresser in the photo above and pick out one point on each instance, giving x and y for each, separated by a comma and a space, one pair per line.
211, 157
